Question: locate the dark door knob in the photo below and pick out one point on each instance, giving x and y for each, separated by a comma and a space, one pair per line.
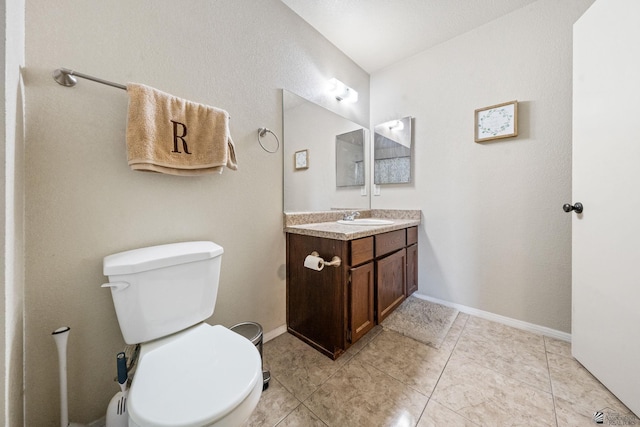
577, 207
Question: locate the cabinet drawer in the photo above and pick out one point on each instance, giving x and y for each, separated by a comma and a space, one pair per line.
361, 251
412, 235
389, 242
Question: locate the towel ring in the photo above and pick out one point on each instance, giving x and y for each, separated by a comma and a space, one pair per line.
262, 132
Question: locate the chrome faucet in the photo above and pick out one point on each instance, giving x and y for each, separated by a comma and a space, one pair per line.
351, 217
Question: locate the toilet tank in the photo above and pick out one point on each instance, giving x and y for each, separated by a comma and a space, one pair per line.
163, 289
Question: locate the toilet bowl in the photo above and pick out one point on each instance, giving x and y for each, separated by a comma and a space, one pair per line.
189, 373
204, 376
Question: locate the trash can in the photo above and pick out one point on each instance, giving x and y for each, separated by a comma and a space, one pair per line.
253, 332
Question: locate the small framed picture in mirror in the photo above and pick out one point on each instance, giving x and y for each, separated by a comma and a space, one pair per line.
301, 159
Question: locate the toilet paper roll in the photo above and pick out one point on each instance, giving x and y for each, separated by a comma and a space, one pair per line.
314, 262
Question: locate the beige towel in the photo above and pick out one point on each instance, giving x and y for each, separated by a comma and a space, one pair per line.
174, 136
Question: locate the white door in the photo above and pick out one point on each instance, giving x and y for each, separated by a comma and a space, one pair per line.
606, 180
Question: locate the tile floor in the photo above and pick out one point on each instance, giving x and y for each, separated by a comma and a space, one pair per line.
484, 374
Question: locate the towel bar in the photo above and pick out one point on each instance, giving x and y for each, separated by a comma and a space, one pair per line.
67, 77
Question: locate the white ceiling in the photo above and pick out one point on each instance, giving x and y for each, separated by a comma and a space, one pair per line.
377, 33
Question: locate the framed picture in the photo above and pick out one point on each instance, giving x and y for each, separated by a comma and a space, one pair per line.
496, 121
301, 159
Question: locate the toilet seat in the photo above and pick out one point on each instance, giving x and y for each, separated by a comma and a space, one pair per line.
196, 377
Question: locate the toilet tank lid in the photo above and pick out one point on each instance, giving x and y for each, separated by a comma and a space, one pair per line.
144, 259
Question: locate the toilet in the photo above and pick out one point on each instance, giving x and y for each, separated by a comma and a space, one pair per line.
189, 373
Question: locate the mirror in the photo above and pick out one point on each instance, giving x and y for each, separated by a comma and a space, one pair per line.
322, 134
350, 159
392, 152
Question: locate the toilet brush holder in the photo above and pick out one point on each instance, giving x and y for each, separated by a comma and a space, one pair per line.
117, 415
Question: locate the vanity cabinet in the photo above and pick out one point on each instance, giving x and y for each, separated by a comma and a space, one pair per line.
333, 308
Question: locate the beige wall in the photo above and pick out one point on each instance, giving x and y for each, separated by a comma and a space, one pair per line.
494, 236
83, 202
12, 241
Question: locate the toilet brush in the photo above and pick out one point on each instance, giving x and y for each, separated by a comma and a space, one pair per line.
117, 415
61, 336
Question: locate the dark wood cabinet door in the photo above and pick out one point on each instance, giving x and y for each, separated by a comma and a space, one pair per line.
412, 269
390, 282
316, 300
361, 289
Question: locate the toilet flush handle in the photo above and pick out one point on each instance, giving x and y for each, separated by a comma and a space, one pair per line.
118, 286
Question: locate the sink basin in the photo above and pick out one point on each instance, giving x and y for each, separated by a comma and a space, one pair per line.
366, 221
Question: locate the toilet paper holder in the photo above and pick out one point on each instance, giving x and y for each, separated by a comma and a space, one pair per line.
335, 261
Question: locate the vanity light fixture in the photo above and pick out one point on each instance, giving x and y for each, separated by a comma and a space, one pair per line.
342, 92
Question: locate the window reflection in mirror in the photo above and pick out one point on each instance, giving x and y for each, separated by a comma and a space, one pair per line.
350, 159
392, 152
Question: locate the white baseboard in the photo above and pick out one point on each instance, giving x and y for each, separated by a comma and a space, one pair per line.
519, 324
268, 336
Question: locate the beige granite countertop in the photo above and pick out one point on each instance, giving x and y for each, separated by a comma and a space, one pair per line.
323, 224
